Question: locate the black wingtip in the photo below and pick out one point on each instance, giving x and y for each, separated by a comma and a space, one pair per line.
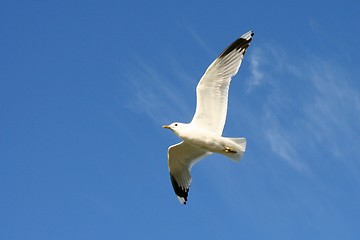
181, 192
241, 43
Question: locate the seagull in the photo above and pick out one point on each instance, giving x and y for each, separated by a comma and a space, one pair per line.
203, 135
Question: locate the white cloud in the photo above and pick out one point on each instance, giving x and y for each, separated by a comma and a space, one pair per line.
155, 97
202, 43
334, 111
308, 104
257, 74
283, 142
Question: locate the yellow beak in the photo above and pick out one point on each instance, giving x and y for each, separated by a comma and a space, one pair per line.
166, 126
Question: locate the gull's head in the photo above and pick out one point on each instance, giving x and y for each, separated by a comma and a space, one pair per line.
176, 127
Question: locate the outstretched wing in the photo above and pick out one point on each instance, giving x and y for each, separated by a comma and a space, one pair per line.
182, 157
212, 90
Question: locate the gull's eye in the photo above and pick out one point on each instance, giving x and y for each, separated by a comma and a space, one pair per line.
175, 124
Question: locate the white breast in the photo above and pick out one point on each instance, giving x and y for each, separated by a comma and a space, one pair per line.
203, 139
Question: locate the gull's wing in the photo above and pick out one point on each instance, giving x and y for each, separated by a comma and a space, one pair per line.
212, 90
182, 157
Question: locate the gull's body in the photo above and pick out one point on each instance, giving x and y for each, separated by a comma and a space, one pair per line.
202, 136
208, 141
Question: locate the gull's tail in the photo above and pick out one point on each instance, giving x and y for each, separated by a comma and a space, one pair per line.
240, 146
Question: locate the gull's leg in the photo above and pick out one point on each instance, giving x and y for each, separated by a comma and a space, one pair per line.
229, 150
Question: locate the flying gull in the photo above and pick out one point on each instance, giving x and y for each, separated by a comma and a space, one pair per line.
202, 136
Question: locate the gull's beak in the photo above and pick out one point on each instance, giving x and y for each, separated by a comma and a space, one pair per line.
166, 126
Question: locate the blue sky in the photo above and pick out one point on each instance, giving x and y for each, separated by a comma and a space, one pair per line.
85, 87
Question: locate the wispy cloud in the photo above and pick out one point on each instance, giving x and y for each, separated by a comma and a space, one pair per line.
202, 43
151, 94
267, 62
257, 74
333, 112
307, 101
283, 142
